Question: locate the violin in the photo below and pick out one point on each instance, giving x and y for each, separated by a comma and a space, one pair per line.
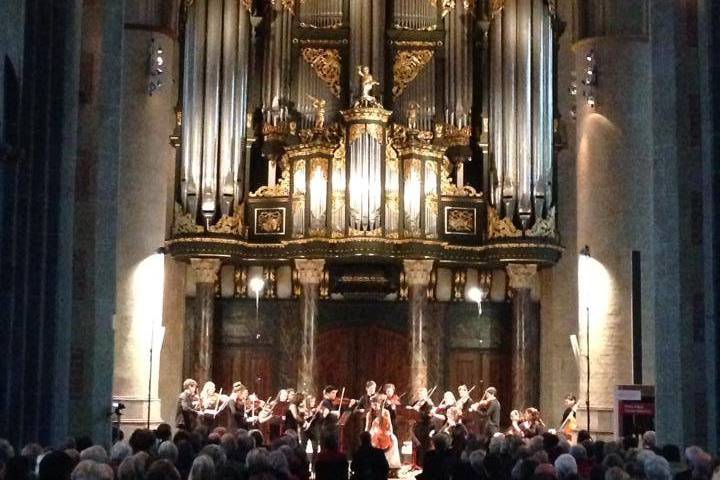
426, 400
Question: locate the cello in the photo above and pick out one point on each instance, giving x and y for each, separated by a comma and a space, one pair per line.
381, 428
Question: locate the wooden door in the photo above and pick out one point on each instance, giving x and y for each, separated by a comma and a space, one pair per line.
250, 365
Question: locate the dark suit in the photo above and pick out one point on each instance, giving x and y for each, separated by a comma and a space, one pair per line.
493, 418
186, 416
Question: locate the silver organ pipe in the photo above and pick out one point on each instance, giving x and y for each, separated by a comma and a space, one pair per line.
227, 112
192, 104
521, 53
214, 107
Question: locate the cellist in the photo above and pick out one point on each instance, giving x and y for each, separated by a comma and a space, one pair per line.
381, 432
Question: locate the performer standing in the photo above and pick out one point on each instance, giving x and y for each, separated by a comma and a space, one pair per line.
238, 414
364, 403
489, 409
188, 405
463, 404
382, 434
568, 424
275, 414
391, 403
421, 430
292, 414
515, 421
439, 413
533, 424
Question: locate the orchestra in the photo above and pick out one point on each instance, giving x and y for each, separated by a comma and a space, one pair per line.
376, 411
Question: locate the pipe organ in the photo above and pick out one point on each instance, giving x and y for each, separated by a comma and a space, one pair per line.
398, 128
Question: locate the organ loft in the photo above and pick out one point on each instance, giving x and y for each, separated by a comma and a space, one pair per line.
386, 168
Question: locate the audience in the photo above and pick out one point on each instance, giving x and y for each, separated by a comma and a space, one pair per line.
243, 455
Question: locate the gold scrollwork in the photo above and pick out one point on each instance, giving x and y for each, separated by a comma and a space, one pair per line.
325, 62
445, 5
373, 129
229, 224
269, 221
460, 220
496, 7
280, 189
407, 66
184, 222
501, 227
544, 227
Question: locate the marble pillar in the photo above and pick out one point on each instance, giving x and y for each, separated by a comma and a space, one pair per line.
417, 276
525, 337
309, 275
206, 271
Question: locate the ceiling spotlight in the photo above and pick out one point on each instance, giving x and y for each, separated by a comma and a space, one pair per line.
573, 89
256, 284
590, 101
475, 295
589, 56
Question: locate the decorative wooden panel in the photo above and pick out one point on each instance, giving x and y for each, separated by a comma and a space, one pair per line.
253, 366
484, 369
350, 356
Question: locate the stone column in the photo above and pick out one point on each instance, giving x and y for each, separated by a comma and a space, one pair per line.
309, 274
525, 337
206, 271
417, 276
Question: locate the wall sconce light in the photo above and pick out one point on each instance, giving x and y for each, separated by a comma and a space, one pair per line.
156, 67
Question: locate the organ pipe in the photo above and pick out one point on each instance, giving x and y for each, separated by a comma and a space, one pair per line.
521, 110
214, 107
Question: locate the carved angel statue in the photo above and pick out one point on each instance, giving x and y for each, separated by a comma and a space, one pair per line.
412, 115
318, 105
367, 82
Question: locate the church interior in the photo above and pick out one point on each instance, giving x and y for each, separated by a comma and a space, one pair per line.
291, 194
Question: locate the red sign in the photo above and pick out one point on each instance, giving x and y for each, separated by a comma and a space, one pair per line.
637, 408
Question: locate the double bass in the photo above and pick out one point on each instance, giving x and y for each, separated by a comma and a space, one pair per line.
381, 428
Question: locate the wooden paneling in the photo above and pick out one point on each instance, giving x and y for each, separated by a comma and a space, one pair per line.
350, 356
484, 369
252, 366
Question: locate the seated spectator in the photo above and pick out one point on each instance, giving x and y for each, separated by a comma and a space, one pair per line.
656, 467
162, 470
438, 463
92, 470
96, 453
203, 468
369, 463
649, 441
163, 432
616, 473
330, 463
55, 465
168, 451
566, 467
119, 452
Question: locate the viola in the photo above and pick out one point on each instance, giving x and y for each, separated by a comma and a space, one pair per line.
345, 402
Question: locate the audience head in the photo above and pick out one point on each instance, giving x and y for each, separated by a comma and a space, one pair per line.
95, 453
649, 440
656, 468
55, 465
119, 452
163, 432
91, 470
168, 451
565, 466
441, 441
162, 470
203, 468
365, 439
142, 440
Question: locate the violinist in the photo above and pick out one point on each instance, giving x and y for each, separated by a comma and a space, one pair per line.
188, 405
328, 415
533, 424
453, 422
381, 431
438, 417
463, 404
274, 414
364, 403
515, 420
489, 409
421, 429
391, 403
310, 418
292, 413
209, 398
238, 400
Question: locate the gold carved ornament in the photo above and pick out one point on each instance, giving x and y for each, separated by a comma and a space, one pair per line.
229, 224
501, 227
496, 7
184, 222
445, 5
544, 227
269, 221
461, 220
375, 130
280, 189
408, 64
325, 62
